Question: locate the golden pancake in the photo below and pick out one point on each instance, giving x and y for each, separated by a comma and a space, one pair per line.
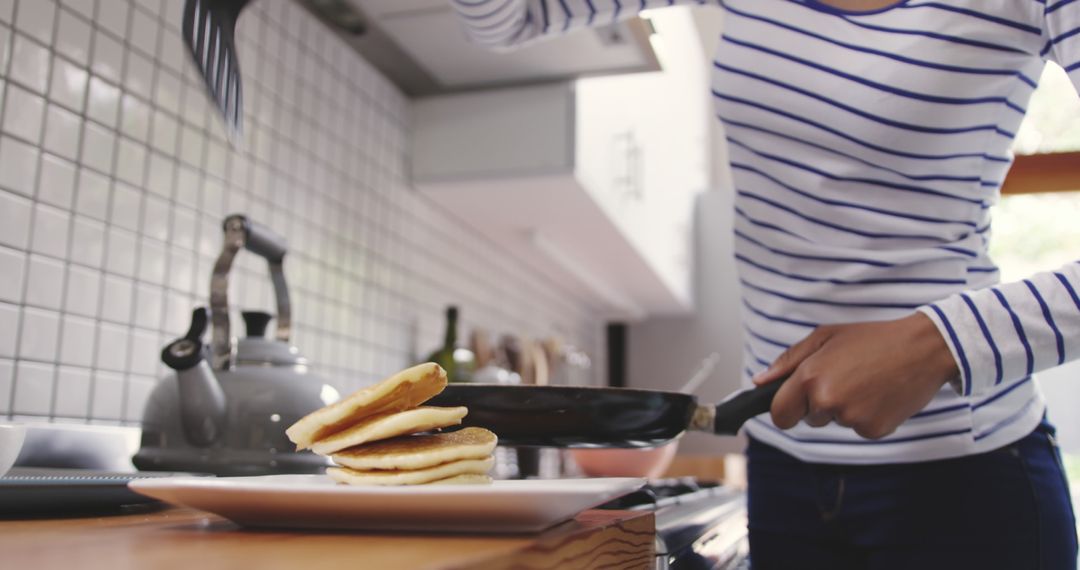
402, 391
388, 425
419, 451
411, 477
467, 479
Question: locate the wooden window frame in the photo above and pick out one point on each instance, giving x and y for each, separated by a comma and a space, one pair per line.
1041, 173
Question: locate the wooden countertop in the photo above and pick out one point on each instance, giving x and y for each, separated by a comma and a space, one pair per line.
194, 540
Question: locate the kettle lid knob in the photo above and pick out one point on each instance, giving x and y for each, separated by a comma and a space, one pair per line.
256, 322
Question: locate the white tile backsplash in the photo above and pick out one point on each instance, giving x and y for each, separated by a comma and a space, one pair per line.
7, 368
155, 217
92, 199
139, 75
113, 16
167, 91
145, 351
191, 146
103, 102
117, 298
126, 206
148, 306
108, 238
14, 220
57, 186
84, 8
5, 46
112, 347
73, 37
83, 296
164, 131
9, 329
34, 389
51, 229
130, 161
151, 6
135, 119
68, 84
160, 174
24, 113
98, 146
18, 165
108, 56
144, 34
171, 53
120, 254
182, 271
87, 241
44, 283
77, 341
62, 132
29, 64
35, 19
39, 335
72, 392
12, 274
138, 392
152, 261
108, 396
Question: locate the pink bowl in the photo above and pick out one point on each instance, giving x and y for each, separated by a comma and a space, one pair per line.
649, 462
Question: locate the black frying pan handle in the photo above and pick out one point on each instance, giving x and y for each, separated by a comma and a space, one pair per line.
735, 411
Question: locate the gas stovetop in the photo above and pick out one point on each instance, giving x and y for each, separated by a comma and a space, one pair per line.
699, 524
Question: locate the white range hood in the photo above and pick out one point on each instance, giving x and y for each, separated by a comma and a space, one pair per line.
592, 182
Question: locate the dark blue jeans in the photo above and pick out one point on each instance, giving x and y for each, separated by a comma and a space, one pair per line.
1007, 509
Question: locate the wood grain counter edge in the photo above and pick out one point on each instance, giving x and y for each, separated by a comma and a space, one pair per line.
194, 540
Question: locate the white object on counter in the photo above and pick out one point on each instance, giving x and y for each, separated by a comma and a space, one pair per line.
316, 501
79, 446
11, 441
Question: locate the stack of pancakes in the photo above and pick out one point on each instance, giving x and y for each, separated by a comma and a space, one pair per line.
370, 435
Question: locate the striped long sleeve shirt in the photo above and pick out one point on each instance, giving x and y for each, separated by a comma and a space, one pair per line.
867, 149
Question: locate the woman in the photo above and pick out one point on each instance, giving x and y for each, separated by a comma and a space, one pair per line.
868, 140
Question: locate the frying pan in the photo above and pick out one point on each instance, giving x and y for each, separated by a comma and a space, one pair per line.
564, 416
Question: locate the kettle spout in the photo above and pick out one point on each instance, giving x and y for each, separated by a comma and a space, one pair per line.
202, 404
202, 401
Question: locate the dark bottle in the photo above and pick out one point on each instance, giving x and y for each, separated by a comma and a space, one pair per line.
458, 362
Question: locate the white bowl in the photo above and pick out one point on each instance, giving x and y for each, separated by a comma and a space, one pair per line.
11, 441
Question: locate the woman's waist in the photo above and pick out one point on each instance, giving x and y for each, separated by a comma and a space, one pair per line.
949, 426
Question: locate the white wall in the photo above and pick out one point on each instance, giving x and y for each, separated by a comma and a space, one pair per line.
115, 177
667, 115
664, 353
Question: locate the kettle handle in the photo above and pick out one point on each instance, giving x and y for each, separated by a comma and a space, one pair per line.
241, 232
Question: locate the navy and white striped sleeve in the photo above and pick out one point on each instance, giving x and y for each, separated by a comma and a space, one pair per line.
1007, 332
1061, 26
507, 24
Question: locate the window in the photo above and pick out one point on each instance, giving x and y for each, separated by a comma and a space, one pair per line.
1048, 142
1037, 228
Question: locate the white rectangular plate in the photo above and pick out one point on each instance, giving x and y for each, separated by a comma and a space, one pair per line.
316, 501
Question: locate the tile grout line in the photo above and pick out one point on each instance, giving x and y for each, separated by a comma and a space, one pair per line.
15, 33
106, 238
139, 237
61, 325
21, 303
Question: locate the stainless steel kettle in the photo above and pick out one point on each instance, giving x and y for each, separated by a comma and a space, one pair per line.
225, 408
